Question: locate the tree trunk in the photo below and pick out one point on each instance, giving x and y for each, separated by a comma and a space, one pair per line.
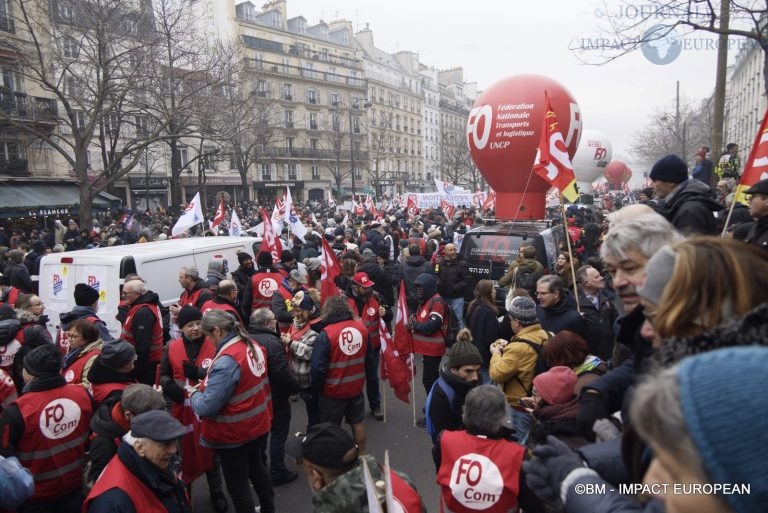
85, 192
720, 79
176, 196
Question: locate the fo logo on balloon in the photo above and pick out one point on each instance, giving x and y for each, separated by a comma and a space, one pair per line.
350, 341
59, 418
476, 482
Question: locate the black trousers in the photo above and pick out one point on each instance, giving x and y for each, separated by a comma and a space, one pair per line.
241, 465
431, 371
278, 434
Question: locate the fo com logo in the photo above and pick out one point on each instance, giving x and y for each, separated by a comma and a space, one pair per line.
59, 418
476, 482
350, 341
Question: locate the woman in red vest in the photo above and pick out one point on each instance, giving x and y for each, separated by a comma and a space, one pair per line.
234, 402
84, 347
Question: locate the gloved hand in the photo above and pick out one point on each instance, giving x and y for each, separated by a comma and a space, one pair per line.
550, 465
191, 371
605, 430
591, 408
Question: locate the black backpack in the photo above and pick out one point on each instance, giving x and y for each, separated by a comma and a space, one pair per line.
524, 279
541, 364
452, 329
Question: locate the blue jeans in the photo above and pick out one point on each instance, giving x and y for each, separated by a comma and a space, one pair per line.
522, 422
372, 376
457, 305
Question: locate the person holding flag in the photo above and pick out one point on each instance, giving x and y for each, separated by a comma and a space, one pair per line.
219, 217
192, 215
754, 182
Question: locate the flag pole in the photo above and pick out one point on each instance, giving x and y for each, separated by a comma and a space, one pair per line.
384, 397
570, 253
730, 213
413, 377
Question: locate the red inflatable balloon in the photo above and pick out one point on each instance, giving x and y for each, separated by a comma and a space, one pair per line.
503, 133
617, 173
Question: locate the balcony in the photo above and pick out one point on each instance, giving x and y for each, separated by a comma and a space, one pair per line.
22, 106
14, 167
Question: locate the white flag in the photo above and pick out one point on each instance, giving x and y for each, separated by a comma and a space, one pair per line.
295, 224
235, 228
191, 216
374, 506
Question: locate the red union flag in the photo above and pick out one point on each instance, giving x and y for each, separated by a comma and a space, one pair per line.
271, 242
394, 368
552, 162
447, 208
410, 206
756, 168
490, 201
330, 269
219, 217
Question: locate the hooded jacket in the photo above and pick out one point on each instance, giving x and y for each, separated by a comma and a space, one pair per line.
410, 269
691, 209
106, 433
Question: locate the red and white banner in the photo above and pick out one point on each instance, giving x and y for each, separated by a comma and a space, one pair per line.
394, 369
447, 208
271, 241
552, 161
410, 206
490, 201
756, 168
403, 342
219, 217
329, 270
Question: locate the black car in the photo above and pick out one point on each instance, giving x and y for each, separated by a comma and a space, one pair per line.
489, 249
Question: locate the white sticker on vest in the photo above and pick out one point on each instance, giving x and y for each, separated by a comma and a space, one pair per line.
8, 353
59, 418
267, 287
476, 482
207, 363
350, 341
258, 365
69, 376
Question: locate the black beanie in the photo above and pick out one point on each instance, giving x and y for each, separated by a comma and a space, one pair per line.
264, 259
242, 257
85, 295
45, 360
463, 353
670, 169
188, 313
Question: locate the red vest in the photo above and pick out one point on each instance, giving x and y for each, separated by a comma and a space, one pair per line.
7, 389
287, 295
370, 317
248, 412
117, 475
404, 494
193, 298
56, 428
74, 373
13, 295
177, 355
434, 344
100, 391
156, 347
211, 304
263, 285
478, 474
346, 370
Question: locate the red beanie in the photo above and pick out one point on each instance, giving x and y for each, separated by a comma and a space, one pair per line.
556, 385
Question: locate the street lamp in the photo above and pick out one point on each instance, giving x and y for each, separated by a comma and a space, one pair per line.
355, 104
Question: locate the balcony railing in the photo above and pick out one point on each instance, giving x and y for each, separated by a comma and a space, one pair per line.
21, 105
14, 167
312, 153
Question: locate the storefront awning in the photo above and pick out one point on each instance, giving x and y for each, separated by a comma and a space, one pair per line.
28, 200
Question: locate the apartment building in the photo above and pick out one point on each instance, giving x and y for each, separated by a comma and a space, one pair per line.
746, 100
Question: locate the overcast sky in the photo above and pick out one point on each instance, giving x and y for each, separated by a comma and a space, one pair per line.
492, 39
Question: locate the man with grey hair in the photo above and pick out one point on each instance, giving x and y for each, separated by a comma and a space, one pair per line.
597, 310
226, 299
142, 328
263, 329
109, 419
484, 443
557, 307
195, 290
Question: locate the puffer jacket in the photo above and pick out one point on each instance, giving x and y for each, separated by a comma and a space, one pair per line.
691, 209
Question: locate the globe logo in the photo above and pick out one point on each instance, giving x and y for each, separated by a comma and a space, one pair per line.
661, 44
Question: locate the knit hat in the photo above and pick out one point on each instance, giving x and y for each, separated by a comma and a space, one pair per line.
720, 390
659, 271
463, 353
264, 259
116, 354
313, 264
303, 301
523, 309
45, 360
187, 314
556, 385
299, 277
85, 295
243, 257
670, 169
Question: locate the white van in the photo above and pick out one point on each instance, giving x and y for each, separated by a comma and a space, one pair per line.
104, 269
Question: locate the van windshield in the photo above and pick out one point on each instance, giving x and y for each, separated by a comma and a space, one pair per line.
497, 249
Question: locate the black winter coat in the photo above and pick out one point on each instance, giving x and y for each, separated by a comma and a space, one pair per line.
410, 269
562, 316
453, 278
484, 326
281, 379
691, 209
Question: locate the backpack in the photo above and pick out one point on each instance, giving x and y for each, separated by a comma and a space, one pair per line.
449, 392
524, 279
452, 329
541, 364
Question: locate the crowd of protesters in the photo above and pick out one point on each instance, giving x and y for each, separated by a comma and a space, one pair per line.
626, 366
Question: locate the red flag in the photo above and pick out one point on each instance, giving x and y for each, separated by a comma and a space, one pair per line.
394, 369
219, 217
403, 341
330, 269
197, 460
447, 208
359, 209
490, 201
552, 161
756, 168
270, 242
410, 207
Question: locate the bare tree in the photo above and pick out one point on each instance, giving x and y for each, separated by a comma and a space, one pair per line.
380, 147
188, 81
335, 135
456, 164
84, 55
